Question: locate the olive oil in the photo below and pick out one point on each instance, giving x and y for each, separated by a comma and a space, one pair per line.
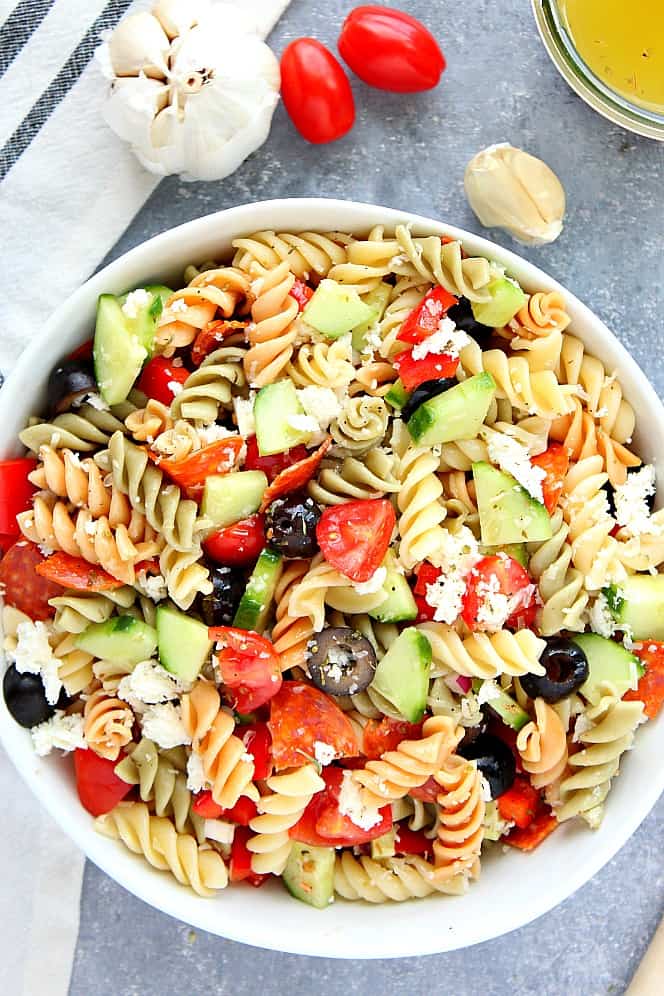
622, 42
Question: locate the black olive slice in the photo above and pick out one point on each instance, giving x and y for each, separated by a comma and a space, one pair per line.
566, 667
69, 382
219, 607
464, 319
494, 759
25, 698
340, 661
425, 392
290, 525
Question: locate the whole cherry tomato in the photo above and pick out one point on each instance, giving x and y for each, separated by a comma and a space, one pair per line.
391, 50
316, 91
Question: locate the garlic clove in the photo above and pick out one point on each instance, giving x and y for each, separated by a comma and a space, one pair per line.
178, 16
132, 105
510, 189
139, 44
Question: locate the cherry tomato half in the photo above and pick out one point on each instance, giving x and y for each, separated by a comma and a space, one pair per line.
299, 716
391, 50
316, 91
322, 823
250, 667
16, 492
238, 544
491, 578
23, 587
354, 537
97, 784
158, 376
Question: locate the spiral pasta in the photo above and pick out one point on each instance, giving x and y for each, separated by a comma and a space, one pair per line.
186, 576
325, 584
561, 586
145, 424
460, 819
375, 378
208, 389
271, 335
107, 724
404, 297
368, 261
160, 780
601, 393
291, 632
393, 879
594, 550
222, 291
159, 842
178, 442
582, 438
542, 746
85, 429
221, 752
421, 509
289, 795
110, 673
74, 665
75, 610
323, 364
361, 425
441, 261
353, 479
542, 314
483, 655
305, 254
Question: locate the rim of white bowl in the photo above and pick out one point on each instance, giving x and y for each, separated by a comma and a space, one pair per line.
269, 918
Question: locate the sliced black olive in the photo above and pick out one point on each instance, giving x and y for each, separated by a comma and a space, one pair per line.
462, 316
70, 382
340, 661
26, 699
566, 668
494, 759
290, 525
219, 607
427, 390
471, 733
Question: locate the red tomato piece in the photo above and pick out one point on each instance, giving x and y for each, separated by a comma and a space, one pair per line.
354, 537
386, 734
521, 803
295, 476
316, 91
433, 366
273, 465
211, 337
16, 492
323, 825
205, 806
555, 462
499, 575
391, 50
428, 792
74, 572
258, 742
240, 863
650, 689
83, 352
425, 612
23, 587
97, 784
424, 320
301, 714
302, 293
533, 835
250, 667
6, 542
426, 574
407, 841
238, 544
192, 472
158, 376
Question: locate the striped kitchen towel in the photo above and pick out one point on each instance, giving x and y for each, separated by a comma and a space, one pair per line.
68, 186
68, 189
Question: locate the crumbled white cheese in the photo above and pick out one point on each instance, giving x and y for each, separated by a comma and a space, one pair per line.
152, 585
244, 415
213, 433
352, 805
179, 306
90, 527
45, 550
148, 684
97, 402
136, 300
303, 423
485, 789
514, 458
495, 608
59, 732
175, 387
321, 404
457, 555
447, 339
219, 830
372, 341
372, 584
324, 753
600, 618
33, 655
488, 690
196, 780
631, 502
163, 724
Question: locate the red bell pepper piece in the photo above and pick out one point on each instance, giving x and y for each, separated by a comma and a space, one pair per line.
555, 462
295, 476
158, 376
97, 784
302, 293
540, 828
204, 805
241, 813
425, 319
650, 689
407, 841
520, 804
433, 366
16, 492
240, 864
74, 572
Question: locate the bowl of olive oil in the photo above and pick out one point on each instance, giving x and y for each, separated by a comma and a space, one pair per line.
611, 52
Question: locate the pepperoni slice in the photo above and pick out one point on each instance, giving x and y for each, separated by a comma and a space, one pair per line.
300, 715
23, 587
295, 476
211, 337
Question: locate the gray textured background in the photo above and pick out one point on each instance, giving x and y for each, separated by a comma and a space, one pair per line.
410, 152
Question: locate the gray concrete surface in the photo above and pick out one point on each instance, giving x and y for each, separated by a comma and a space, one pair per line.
410, 152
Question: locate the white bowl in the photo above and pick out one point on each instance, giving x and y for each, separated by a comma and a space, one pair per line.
515, 888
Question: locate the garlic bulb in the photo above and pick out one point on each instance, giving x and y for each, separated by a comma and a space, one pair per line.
508, 188
193, 87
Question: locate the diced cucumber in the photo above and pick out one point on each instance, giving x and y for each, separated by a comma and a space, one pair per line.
507, 708
641, 609
183, 642
506, 299
228, 498
402, 675
334, 309
255, 604
384, 847
121, 638
275, 408
118, 354
400, 605
144, 324
607, 662
508, 514
397, 396
309, 874
377, 300
455, 414
517, 551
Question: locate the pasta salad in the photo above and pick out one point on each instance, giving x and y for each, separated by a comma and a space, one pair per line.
335, 564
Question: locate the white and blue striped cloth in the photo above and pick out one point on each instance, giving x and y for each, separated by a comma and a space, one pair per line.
68, 189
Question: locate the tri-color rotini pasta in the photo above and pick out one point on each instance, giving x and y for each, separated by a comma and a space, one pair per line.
338, 565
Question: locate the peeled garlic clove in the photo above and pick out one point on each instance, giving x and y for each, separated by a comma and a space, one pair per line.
510, 189
139, 45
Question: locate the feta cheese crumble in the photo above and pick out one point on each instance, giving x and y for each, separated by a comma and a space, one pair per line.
163, 724
372, 584
97, 402
220, 830
487, 692
321, 404
136, 300
213, 433
175, 387
152, 585
33, 655
352, 805
448, 339
303, 423
59, 732
512, 457
631, 502
148, 684
196, 780
457, 555
600, 618
324, 753
244, 415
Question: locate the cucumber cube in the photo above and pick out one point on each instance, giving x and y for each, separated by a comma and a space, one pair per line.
334, 309
231, 497
506, 299
457, 413
277, 410
508, 514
